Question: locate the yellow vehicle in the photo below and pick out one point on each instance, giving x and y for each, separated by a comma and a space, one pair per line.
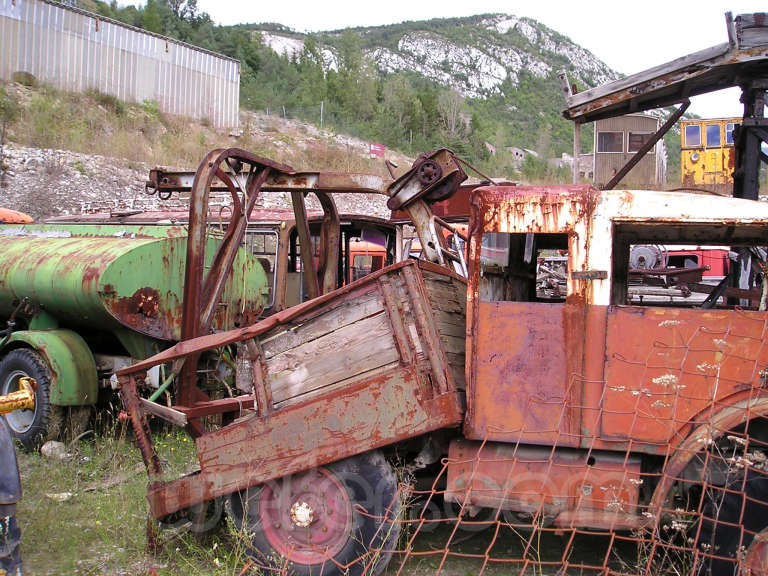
707, 155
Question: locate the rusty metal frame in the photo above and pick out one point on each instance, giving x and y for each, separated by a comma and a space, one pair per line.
244, 176
420, 391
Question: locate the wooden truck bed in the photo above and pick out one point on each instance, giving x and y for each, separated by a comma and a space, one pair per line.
376, 362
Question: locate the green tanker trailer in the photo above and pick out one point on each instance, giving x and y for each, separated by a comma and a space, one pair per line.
83, 301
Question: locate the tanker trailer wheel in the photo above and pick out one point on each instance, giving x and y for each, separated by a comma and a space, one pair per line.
733, 525
27, 426
325, 520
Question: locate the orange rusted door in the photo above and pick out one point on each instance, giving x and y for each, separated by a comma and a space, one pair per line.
519, 377
520, 372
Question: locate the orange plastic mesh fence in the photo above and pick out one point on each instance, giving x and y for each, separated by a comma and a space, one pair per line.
694, 504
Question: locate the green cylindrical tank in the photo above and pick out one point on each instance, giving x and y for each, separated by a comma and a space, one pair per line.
117, 281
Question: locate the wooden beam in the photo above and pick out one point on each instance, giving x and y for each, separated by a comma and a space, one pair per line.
175, 417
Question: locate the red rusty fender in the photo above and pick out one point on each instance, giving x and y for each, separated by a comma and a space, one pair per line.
700, 432
336, 425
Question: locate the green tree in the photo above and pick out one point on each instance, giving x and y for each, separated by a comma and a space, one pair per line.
451, 107
150, 18
400, 103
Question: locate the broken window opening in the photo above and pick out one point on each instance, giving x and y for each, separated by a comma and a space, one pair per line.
637, 140
263, 244
523, 267
689, 266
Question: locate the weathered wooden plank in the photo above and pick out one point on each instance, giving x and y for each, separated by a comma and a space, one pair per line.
425, 326
447, 299
453, 344
453, 325
457, 362
346, 312
381, 371
447, 296
454, 289
395, 311
339, 355
450, 318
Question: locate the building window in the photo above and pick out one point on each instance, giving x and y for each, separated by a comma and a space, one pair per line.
713, 136
693, 135
637, 140
729, 133
610, 141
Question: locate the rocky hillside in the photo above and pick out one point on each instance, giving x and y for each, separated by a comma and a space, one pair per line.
479, 56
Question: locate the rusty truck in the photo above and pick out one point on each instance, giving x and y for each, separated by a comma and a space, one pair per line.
539, 413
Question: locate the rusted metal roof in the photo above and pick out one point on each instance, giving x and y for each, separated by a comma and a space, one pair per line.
744, 56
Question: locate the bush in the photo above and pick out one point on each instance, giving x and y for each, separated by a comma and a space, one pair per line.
151, 108
111, 103
9, 108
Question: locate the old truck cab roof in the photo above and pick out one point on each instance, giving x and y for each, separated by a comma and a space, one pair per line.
598, 227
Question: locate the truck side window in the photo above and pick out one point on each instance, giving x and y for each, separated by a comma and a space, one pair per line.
673, 267
523, 267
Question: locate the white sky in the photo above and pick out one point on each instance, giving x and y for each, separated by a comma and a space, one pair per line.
628, 36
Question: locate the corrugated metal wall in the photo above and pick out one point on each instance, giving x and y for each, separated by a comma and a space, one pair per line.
76, 50
646, 173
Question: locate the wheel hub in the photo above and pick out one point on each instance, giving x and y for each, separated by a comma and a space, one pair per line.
19, 420
306, 518
302, 514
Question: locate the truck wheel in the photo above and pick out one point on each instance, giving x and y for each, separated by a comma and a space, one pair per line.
731, 518
324, 521
27, 426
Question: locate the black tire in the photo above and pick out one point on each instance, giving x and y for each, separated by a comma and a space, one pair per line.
365, 517
29, 427
731, 518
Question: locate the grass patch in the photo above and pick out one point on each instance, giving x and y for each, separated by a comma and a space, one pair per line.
88, 514
97, 123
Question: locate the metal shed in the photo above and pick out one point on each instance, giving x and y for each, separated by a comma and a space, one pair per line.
617, 140
76, 50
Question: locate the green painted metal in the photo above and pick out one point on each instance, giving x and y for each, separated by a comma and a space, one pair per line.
118, 287
43, 321
74, 379
113, 282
